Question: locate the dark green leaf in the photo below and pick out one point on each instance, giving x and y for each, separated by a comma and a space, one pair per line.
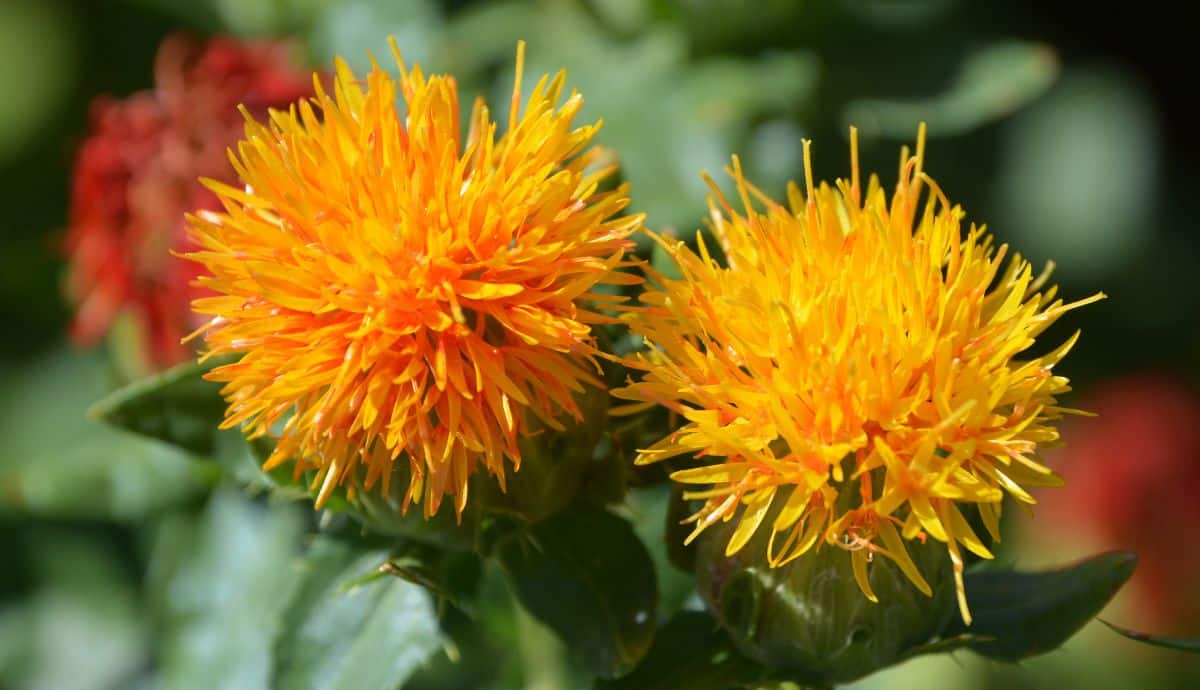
690, 651
1025, 614
177, 406
1177, 643
346, 630
585, 574
498, 646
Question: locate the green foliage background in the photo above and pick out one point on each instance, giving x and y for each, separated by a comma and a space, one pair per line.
126, 564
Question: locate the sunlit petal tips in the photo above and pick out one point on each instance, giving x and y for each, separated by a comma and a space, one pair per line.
854, 361
401, 293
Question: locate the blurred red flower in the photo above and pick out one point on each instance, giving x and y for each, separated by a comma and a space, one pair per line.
1133, 482
136, 174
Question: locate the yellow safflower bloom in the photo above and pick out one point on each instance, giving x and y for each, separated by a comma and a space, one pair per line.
851, 369
394, 289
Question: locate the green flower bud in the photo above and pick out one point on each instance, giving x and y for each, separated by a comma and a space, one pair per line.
810, 618
554, 465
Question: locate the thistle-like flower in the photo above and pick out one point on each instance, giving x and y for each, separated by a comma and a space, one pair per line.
852, 370
397, 293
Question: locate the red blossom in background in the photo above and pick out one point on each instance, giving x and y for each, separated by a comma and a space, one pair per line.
136, 175
1133, 482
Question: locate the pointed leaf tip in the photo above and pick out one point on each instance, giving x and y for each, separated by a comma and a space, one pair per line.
1025, 614
1190, 645
177, 406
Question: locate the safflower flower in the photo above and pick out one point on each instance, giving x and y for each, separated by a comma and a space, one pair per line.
851, 370
396, 293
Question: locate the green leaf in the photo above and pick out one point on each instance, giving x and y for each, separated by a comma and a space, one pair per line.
488, 649
55, 463
1181, 644
347, 630
690, 651
585, 574
177, 406
1024, 614
224, 595
991, 84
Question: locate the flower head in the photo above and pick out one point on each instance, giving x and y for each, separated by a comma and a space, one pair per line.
395, 289
850, 375
136, 176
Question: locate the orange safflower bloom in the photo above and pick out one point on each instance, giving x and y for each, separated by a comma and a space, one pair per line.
396, 290
858, 349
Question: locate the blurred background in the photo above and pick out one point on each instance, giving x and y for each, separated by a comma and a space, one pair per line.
1071, 134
